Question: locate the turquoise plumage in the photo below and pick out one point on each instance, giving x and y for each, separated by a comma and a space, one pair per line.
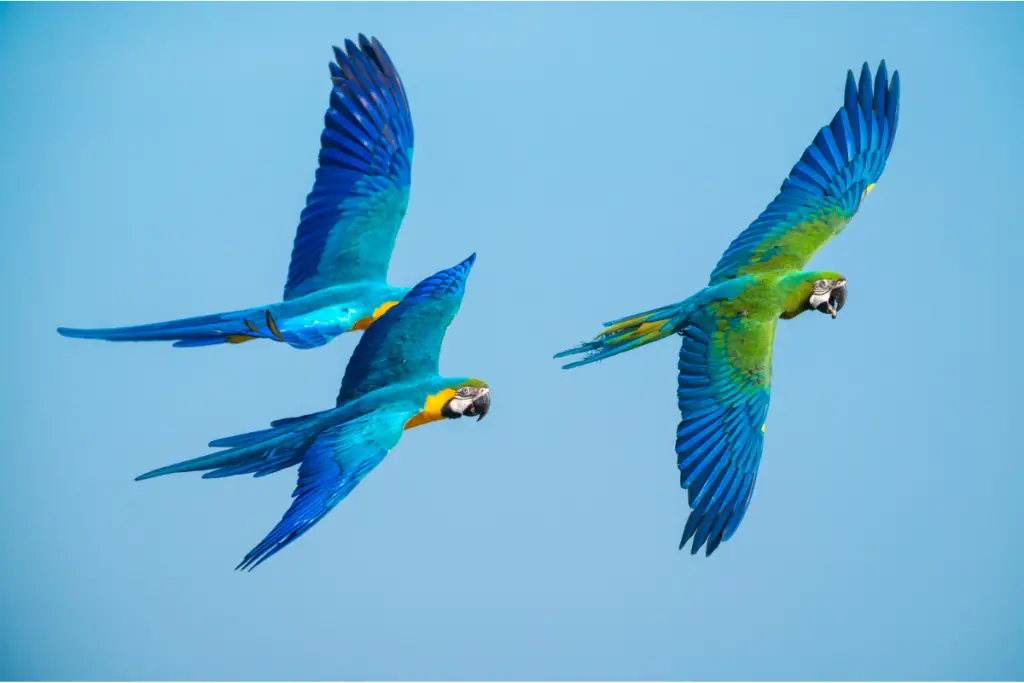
391, 384
728, 328
337, 279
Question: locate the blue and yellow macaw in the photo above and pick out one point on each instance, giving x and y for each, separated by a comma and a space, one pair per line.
729, 326
391, 384
337, 280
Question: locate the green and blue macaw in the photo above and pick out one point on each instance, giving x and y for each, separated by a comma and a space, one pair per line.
391, 384
337, 280
725, 364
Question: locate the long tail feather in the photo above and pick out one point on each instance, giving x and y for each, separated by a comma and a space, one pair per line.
626, 334
234, 327
259, 453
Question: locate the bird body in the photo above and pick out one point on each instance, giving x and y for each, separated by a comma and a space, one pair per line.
391, 384
337, 278
728, 327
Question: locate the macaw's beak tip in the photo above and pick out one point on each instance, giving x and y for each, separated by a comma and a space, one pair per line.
482, 404
837, 300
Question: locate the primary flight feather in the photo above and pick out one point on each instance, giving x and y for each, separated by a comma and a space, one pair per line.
728, 327
392, 383
337, 279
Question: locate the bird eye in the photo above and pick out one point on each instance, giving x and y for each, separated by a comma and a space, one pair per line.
821, 284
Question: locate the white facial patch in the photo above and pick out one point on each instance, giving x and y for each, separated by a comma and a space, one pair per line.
822, 292
818, 299
460, 405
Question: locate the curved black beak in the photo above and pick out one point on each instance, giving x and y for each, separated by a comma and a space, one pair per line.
837, 299
481, 404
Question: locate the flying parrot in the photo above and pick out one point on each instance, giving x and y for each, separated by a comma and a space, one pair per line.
725, 363
337, 280
391, 384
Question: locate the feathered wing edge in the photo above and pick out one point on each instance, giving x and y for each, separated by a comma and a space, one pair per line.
332, 461
354, 211
333, 465
720, 437
825, 188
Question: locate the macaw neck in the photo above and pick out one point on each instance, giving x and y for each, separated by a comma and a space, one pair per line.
795, 291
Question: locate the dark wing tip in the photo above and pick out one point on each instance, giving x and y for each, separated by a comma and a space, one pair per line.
866, 86
444, 284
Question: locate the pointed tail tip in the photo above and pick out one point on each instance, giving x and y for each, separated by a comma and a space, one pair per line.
572, 352
73, 332
159, 472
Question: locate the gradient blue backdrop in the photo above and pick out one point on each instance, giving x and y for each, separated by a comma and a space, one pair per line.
599, 159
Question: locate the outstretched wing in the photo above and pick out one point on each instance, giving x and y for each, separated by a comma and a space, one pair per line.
333, 466
724, 389
405, 343
347, 230
826, 187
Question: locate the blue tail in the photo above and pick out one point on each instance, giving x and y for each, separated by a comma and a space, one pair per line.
626, 334
205, 330
258, 453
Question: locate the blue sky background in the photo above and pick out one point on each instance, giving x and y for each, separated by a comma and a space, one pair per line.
599, 158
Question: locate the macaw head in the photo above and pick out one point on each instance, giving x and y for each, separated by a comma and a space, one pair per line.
472, 398
828, 295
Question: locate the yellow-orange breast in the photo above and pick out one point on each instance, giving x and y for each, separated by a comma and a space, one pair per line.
431, 409
377, 312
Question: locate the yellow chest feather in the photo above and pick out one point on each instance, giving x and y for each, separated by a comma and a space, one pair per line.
377, 312
431, 409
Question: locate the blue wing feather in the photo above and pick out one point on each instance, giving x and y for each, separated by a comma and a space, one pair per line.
825, 188
352, 216
719, 439
332, 466
405, 342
